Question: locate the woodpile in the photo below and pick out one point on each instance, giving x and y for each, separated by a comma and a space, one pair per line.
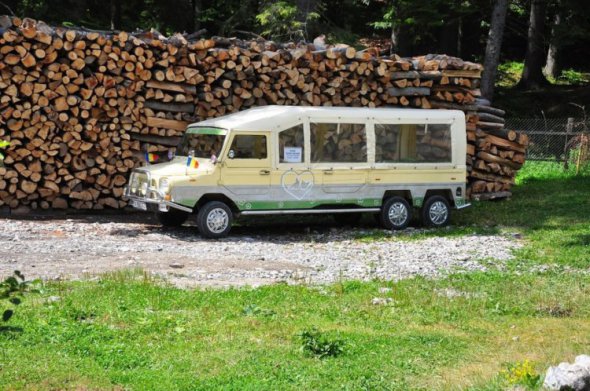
80, 108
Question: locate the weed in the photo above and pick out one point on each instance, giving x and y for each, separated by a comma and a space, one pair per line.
522, 374
319, 344
254, 310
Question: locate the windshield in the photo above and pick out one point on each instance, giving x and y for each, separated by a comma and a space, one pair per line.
204, 142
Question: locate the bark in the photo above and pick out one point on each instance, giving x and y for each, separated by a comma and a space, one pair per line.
493, 46
394, 28
532, 74
115, 14
196, 7
552, 66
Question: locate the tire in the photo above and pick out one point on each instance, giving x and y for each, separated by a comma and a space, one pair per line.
395, 214
436, 212
347, 218
172, 218
214, 220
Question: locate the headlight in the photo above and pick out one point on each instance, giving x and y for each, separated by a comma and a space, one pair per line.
134, 182
144, 187
164, 185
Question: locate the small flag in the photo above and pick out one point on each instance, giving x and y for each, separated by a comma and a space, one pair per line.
151, 157
192, 162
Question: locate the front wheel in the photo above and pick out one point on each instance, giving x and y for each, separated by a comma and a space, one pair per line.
436, 212
172, 218
395, 213
214, 220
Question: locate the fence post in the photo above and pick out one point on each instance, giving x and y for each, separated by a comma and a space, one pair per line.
568, 129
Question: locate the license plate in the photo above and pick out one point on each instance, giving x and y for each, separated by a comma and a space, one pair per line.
138, 205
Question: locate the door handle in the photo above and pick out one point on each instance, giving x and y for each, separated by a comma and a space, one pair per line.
264, 172
329, 172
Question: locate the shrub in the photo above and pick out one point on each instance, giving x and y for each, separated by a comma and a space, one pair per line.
12, 289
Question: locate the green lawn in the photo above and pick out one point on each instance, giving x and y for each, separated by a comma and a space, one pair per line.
127, 331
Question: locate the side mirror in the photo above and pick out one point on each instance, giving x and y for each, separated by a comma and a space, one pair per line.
231, 154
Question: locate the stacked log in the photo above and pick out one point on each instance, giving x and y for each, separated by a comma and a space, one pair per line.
80, 108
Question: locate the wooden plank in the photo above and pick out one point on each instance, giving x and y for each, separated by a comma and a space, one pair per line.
166, 123
491, 196
170, 107
174, 87
474, 74
410, 91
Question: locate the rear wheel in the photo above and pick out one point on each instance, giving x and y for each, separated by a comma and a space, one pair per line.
214, 220
395, 213
172, 218
436, 212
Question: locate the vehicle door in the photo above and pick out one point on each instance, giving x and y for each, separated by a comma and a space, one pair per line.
245, 168
339, 159
294, 185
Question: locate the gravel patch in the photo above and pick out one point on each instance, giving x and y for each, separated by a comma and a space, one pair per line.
84, 247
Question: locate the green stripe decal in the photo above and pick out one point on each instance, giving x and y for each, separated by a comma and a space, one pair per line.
211, 131
278, 205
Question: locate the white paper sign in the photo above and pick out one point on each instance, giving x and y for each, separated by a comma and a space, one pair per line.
293, 154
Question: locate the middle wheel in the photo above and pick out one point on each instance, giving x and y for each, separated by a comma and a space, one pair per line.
396, 213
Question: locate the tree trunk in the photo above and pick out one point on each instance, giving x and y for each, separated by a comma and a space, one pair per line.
304, 7
532, 74
493, 46
394, 28
196, 6
552, 66
115, 14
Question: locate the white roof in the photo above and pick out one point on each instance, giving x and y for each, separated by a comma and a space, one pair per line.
271, 117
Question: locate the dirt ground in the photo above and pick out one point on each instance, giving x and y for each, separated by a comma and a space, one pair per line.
258, 251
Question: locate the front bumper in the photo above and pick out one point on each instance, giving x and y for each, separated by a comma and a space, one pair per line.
152, 204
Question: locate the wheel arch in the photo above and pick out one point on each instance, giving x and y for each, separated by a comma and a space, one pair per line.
405, 194
217, 197
445, 193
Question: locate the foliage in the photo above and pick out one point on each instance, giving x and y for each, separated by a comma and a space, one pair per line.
282, 20
319, 344
522, 373
3, 144
509, 73
572, 77
12, 290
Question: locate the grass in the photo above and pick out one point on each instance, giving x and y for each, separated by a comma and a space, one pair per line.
465, 331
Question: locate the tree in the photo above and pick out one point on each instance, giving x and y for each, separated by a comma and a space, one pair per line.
115, 14
551, 68
493, 48
532, 74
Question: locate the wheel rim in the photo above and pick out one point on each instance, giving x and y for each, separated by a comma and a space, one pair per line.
398, 214
217, 220
438, 212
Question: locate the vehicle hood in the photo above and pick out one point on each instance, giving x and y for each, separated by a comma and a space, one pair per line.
178, 167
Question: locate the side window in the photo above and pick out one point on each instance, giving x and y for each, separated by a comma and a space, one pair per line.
338, 143
248, 147
412, 143
291, 146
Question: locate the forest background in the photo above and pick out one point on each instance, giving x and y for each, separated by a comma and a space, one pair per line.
534, 51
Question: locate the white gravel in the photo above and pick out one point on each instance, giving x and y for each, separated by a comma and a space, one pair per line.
252, 255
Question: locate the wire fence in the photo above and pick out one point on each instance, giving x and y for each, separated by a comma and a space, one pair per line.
553, 139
